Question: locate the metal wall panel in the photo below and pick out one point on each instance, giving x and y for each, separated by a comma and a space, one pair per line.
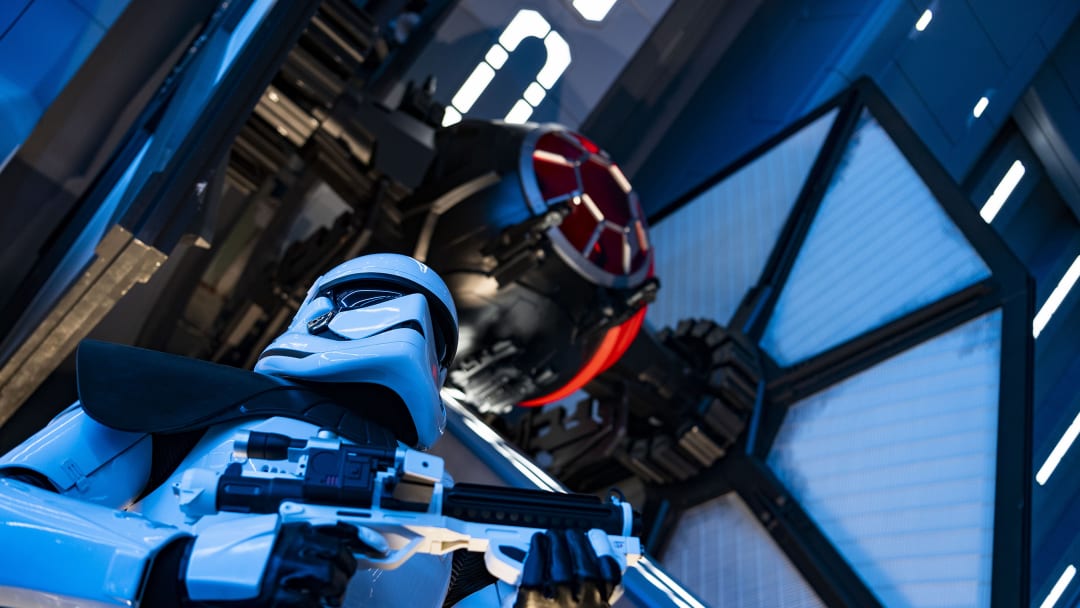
721, 551
879, 247
896, 465
712, 250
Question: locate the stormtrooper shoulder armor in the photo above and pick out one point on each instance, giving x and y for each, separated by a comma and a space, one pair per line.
84, 459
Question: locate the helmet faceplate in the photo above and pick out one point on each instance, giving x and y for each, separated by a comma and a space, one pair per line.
383, 319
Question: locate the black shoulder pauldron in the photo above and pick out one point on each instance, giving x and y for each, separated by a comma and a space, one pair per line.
146, 391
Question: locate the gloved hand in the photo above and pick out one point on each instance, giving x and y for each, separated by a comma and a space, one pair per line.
308, 567
562, 569
311, 566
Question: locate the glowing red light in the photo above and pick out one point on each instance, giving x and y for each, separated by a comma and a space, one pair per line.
630, 329
612, 347
586, 143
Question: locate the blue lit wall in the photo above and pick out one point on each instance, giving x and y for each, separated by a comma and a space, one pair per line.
1039, 221
1049, 116
43, 43
794, 55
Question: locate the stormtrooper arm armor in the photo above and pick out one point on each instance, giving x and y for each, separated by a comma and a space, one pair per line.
82, 459
59, 551
68, 542
64, 540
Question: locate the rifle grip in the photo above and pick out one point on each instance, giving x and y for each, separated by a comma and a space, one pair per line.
506, 561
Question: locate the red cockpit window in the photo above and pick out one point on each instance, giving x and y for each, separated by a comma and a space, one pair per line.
598, 181
579, 228
559, 145
611, 251
606, 225
558, 178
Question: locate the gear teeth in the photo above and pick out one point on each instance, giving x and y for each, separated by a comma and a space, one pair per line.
697, 444
664, 453
722, 421
637, 460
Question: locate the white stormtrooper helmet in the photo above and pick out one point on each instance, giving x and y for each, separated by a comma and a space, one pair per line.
382, 319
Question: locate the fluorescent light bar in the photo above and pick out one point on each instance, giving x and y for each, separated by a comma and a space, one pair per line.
525, 24
551, 157
924, 21
620, 179
1056, 298
593, 10
1059, 587
534, 94
591, 206
558, 59
450, 117
519, 113
980, 107
1001, 193
496, 56
1056, 454
473, 86
646, 567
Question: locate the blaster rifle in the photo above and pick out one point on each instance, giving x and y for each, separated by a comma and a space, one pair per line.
401, 494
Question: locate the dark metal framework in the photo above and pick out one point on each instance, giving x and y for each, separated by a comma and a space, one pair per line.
167, 204
159, 183
1008, 287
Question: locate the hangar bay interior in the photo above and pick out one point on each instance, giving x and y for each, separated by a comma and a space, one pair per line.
797, 277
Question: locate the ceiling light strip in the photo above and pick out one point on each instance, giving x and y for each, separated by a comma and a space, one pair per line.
1059, 587
1002, 191
1063, 445
924, 20
980, 107
1056, 298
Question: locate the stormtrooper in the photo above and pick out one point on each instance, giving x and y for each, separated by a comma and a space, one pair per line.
124, 499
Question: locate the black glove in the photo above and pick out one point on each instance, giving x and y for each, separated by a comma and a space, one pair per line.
309, 567
562, 569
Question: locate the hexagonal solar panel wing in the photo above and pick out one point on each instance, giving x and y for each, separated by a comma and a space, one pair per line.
879, 247
887, 456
